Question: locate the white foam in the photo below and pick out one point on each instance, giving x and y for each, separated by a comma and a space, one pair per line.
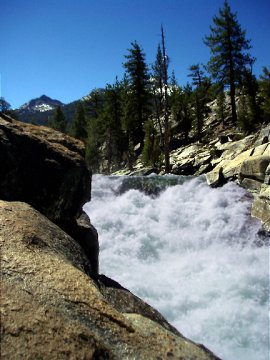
190, 253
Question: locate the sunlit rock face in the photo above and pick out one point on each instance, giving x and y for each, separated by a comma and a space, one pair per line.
51, 309
247, 162
44, 168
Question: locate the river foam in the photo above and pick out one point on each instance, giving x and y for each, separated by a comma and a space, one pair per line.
191, 252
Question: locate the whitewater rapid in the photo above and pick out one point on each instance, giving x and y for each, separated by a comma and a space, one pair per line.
194, 254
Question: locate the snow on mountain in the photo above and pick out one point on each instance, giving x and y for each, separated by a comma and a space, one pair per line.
41, 104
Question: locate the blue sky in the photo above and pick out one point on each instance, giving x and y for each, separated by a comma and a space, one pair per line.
65, 48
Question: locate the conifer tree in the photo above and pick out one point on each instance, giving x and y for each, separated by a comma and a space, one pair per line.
161, 98
181, 106
229, 48
110, 120
157, 90
243, 114
138, 81
199, 97
186, 111
79, 130
58, 122
175, 99
221, 104
165, 104
94, 102
93, 142
197, 74
127, 122
151, 149
95, 128
264, 88
248, 100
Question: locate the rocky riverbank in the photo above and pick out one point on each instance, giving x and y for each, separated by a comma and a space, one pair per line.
228, 157
54, 304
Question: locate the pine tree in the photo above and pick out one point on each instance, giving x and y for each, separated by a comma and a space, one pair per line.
161, 98
186, 111
221, 104
248, 96
199, 97
197, 75
175, 99
181, 107
264, 88
127, 122
111, 119
157, 90
243, 114
97, 101
79, 130
93, 143
165, 104
138, 81
229, 48
58, 122
151, 149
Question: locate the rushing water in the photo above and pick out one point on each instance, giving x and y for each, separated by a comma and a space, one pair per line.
193, 253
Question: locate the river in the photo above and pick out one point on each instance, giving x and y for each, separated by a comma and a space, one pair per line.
190, 251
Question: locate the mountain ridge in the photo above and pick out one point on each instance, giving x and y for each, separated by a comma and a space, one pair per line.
38, 110
41, 104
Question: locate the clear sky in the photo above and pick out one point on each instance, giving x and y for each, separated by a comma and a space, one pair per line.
65, 48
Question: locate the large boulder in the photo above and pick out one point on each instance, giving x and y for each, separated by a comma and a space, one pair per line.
227, 169
254, 167
264, 136
191, 159
249, 164
51, 309
246, 161
232, 149
261, 206
46, 169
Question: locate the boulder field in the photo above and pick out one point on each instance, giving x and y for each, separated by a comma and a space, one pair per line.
54, 303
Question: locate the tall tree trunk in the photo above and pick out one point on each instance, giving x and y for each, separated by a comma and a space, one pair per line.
198, 116
166, 114
232, 75
232, 96
157, 107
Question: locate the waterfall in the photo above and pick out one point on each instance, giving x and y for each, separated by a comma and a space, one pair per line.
192, 252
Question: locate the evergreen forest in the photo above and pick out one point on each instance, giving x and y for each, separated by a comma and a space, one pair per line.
147, 113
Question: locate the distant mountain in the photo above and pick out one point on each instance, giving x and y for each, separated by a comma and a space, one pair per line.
41, 104
38, 110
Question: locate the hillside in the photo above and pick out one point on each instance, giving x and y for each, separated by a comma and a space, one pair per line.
224, 154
